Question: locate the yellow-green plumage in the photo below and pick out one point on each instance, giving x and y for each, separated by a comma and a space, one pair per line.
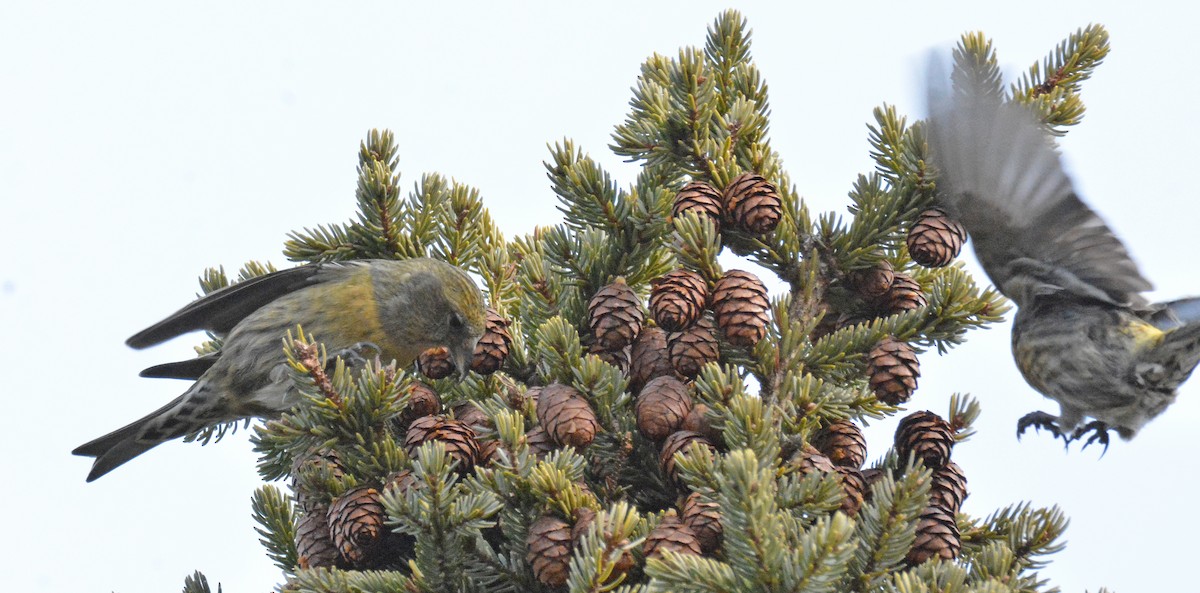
399, 307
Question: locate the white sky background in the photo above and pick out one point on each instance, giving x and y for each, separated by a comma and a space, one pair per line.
142, 142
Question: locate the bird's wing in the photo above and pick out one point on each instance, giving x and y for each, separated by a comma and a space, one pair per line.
220, 310
1002, 178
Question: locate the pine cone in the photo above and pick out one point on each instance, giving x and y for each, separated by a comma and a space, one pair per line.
870, 476
808, 460
903, 295
752, 203
701, 198
310, 475
435, 363
617, 358
422, 401
854, 485
567, 416
549, 545
648, 358
457, 436
314, 546
693, 348
873, 282
935, 239
893, 369
925, 436
539, 442
470, 414
740, 305
356, 524
677, 299
679, 441
493, 347
705, 520
400, 482
937, 536
949, 488
671, 534
697, 421
488, 452
615, 316
843, 443
661, 407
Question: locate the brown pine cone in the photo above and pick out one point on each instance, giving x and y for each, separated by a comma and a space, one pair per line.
567, 416
935, 239
740, 305
843, 443
617, 358
356, 524
701, 198
854, 485
677, 299
615, 315
693, 348
539, 442
584, 517
949, 488
893, 368
422, 401
435, 363
661, 407
549, 550
873, 282
808, 460
903, 295
679, 441
648, 358
870, 476
488, 452
492, 348
752, 203
937, 536
705, 520
697, 421
470, 414
927, 437
458, 437
310, 475
400, 482
671, 534
314, 545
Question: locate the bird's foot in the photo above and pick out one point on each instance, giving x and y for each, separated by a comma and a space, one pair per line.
1039, 420
1100, 436
356, 355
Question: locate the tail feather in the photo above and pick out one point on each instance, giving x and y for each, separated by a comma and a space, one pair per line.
1178, 354
125, 443
1185, 310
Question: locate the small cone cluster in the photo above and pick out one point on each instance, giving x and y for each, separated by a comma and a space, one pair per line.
551, 541
935, 239
927, 437
749, 203
671, 534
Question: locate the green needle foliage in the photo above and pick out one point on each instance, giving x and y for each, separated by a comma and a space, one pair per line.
456, 512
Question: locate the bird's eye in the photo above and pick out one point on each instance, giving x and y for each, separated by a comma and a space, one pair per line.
456, 322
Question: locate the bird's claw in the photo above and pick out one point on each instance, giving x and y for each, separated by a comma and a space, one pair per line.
357, 355
1038, 420
1100, 435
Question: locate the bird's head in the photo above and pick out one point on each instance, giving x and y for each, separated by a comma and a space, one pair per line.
426, 303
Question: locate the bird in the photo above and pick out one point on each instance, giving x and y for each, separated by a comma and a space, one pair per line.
395, 308
1083, 333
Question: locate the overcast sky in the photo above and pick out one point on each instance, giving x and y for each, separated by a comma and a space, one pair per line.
143, 142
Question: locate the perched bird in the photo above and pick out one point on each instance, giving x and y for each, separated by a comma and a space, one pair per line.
1083, 335
396, 308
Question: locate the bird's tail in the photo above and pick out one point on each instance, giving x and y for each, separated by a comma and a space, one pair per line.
1178, 354
1182, 311
123, 444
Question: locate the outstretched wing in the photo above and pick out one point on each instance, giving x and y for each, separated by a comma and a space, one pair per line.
220, 310
1002, 178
